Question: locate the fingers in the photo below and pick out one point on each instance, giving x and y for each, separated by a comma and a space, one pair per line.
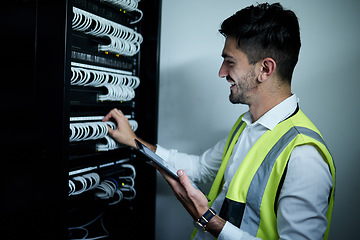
115, 113
196, 196
192, 199
108, 116
123, 132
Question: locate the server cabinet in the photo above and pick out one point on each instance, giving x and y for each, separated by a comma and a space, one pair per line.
46, 152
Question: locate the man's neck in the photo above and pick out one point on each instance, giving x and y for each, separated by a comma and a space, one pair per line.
265, 103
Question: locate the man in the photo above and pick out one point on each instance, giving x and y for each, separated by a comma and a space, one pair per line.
273, 177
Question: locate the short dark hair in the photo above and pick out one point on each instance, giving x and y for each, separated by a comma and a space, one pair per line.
266, 30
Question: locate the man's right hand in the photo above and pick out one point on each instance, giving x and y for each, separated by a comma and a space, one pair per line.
123, 133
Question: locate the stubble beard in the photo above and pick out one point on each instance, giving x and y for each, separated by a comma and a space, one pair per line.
245, 86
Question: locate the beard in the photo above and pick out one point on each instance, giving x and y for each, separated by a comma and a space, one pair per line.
243, 88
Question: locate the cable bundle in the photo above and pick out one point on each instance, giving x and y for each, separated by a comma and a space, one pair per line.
95, 78
107, 188
123, 40
122, 186
120, 46
117, 93
120, 87
89, 130
128, 183
96, 130
88, 182
111, 144
129, 5
111, 186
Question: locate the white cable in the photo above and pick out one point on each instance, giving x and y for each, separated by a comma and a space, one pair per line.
120, 46
84, 185
120, 87
71, 187
106, 189
121, 196
110, 145
89, 77
89, 130
131, 178
141, 16
129, 189
117, 93
83, 131
86, 231
123, 40
94, 179
133, 175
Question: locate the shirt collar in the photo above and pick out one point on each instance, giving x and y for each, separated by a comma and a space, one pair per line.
275, 115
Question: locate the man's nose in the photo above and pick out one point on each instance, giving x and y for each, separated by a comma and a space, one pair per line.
223, 71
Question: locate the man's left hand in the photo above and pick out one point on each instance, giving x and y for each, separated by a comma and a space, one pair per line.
192, 199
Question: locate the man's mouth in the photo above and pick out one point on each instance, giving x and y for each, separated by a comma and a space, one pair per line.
232, 82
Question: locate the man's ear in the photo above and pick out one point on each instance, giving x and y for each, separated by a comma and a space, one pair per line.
268, 67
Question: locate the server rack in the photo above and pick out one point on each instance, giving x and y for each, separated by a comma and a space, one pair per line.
41, 53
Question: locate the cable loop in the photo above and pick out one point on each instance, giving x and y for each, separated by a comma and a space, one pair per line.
123, 40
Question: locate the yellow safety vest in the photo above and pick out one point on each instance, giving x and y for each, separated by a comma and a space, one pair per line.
253, 191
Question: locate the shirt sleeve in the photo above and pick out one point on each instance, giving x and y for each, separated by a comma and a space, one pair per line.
231, 232
305, 192
201, 169
303, 200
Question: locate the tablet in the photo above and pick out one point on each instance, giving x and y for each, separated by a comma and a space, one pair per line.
159, 161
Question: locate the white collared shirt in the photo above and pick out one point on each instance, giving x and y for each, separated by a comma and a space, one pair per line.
302, 203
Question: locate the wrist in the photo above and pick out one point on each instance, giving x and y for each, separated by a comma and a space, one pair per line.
202, 222
215, 225
131, 142
210, 222
148, 145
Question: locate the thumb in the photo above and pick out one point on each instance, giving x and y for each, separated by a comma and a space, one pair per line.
194, 196
184, 180
110, 131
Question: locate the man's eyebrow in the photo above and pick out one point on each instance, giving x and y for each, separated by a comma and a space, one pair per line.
224, 55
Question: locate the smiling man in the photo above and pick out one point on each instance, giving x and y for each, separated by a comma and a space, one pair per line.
273, 176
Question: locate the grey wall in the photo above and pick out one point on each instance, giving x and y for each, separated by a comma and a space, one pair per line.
195, 112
